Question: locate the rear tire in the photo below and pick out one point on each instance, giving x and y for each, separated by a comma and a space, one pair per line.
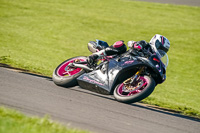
135, 95
68, 80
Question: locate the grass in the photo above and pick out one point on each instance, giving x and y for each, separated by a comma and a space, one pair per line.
39, 34
12, 121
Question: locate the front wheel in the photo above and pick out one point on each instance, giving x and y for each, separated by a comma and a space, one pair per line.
66, 76
134, 92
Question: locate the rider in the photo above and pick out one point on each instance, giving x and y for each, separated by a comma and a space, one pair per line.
157, 43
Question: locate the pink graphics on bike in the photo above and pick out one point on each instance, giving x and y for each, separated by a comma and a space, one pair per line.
121, 90
65, 70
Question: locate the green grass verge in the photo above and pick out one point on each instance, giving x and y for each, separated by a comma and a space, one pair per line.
12, 121
39, 34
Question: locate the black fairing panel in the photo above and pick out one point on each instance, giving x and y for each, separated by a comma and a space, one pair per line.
95, 81
104, 81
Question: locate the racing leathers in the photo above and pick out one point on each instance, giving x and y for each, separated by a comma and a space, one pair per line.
119, 48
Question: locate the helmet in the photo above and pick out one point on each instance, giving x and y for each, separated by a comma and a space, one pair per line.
159, 43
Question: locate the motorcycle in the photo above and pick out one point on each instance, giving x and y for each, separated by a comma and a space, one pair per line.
130, 78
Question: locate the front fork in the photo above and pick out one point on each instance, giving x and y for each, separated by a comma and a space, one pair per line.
131, 80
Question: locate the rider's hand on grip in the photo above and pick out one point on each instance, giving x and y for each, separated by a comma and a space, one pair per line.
131, 44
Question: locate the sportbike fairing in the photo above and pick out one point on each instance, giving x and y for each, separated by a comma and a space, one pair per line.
104, 79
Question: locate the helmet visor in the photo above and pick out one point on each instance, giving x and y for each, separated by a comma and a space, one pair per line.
159, 45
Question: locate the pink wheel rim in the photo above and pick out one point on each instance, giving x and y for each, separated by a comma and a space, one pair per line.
64, 70
144, 81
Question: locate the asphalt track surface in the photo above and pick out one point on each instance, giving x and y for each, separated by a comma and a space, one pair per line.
75, 107
38, 95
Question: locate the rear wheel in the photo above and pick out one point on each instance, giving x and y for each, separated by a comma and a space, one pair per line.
65, 75
134, 92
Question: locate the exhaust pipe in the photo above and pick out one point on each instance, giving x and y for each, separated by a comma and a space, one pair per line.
84, 67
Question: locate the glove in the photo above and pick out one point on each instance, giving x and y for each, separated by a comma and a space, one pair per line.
131, 44
142, 43
138, 46
134, 45
91, 59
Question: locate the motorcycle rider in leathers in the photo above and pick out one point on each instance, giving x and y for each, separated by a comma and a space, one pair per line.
157, 43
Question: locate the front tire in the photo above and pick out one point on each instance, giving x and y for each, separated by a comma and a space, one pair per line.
141, 90
66, 76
